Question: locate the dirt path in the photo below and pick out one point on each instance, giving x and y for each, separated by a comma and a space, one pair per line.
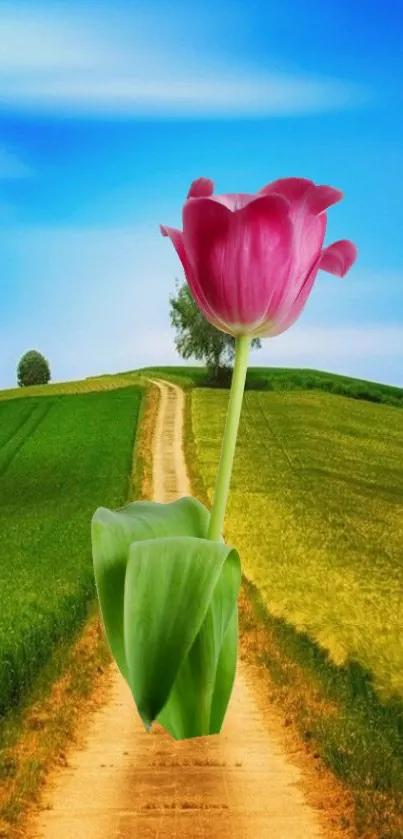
129, 784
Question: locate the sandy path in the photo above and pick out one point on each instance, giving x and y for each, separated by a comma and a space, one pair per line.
127, 783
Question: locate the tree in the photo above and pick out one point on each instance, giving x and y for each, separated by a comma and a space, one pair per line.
33, 369
197, 338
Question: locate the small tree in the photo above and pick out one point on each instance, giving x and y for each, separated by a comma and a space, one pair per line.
33, 369
197, 338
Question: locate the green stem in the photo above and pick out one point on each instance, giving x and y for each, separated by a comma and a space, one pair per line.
229, 440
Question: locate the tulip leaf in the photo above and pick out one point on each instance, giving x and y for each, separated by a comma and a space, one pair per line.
225, 674
168, 599
112, 534
206, 677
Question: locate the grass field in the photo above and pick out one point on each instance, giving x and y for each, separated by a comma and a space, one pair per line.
92, 384
285, 379
318, 482
315, 511
60, 458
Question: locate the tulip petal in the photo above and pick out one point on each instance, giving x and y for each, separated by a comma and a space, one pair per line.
307, 205
293, 189
176, 237
201, 188
291, 306
214, 224
338, 258
301, 190
226, 249
251, 266
319, 198
203, 217
235, 200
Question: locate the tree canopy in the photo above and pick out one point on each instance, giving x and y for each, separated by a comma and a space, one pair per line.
33, 369
196, 337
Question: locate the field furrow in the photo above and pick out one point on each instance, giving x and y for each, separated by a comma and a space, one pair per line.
70, 455
11, 421
22, 433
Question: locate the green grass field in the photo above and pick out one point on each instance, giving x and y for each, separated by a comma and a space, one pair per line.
315, 510
60, 458
285, 379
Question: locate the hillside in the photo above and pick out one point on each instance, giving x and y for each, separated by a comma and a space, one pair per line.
280, 379
60, 458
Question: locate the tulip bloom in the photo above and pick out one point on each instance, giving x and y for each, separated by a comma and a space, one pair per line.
167, 583
251, 260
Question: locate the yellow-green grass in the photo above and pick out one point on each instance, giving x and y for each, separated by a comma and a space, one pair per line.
60, 458
93, 383
315, 510
282, 378
315, 513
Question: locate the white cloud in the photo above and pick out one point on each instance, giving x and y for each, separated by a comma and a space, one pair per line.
126, 95
57, 63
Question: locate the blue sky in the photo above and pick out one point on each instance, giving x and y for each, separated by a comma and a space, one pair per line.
109, 110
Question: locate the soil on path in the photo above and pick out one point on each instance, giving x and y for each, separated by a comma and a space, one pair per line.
129, 784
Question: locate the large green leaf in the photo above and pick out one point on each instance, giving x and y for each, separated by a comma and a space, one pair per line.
112, 534
168, 599
206, 677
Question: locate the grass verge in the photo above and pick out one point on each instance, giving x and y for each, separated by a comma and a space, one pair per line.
142, 473
356, 736
34, 737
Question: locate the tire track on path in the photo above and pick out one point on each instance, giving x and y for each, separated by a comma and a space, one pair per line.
127, 784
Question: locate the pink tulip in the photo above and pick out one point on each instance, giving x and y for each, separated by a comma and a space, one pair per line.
251, 260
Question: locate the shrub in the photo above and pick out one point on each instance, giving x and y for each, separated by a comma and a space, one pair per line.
33, 369
258, 383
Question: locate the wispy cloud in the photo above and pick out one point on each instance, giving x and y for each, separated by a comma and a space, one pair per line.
56, 63
122, 96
